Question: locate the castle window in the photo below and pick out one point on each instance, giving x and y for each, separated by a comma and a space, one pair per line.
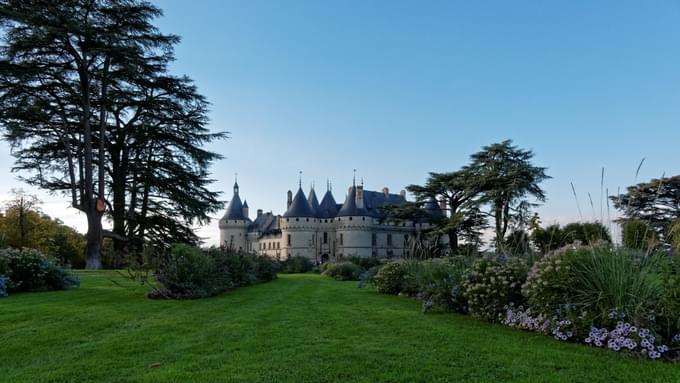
350, 218
297, 219
405, 239
389, 239
363, 218
342, 237
374, 239
278, 245
325, 237
288, 240
307, 219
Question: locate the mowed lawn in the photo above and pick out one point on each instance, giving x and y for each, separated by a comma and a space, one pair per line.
299, 328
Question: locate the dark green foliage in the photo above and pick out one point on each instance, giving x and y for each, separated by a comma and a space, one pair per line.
364, 262
518, 243
657, 203
554, 237
637, 235
343, 271
668, 307
505, 178
187, 272
89, 105
439, 284
492, 285
30, 270
296, 264
587, 233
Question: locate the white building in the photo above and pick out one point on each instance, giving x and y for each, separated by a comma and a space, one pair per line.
323, 231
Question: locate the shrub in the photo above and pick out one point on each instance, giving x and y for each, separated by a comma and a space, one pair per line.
343, 271
391, 278
30, 270
186, 272
296, 264
550, 282
439, 284
492, 285
364, 262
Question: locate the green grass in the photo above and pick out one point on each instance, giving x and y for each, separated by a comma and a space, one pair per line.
299, 328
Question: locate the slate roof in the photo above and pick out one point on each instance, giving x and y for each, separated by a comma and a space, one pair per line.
235, 208
266, 223
349, 208
313, 202
299, 207
328, 208
374, 202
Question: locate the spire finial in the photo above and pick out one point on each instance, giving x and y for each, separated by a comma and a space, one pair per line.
362, 181
300, 180
354, 178
328, 185
235, 183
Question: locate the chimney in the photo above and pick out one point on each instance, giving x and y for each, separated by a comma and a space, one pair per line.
259, 212
403, 194
360, 196
290, 198
386, 191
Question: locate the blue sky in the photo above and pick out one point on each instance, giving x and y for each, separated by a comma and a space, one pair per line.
399, 88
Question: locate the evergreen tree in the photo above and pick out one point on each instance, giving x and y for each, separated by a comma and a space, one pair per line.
505, 178
89, 109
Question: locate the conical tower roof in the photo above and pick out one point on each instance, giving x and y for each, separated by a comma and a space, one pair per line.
235, 207
328, 207
313, 202
299, 207
349, 208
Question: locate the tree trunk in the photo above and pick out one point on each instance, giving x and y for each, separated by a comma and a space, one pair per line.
93, 248
453, 241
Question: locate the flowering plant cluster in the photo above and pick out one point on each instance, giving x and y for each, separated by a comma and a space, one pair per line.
549, 282
491, 285
627, 337
561, 329
3, 285
30, 270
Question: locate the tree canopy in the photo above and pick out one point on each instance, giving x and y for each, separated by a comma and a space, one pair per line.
90, 110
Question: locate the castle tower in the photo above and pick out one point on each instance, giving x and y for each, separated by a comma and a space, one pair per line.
353, 226
234, 223
298, 228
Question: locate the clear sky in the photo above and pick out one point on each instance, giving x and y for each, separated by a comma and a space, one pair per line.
399, 88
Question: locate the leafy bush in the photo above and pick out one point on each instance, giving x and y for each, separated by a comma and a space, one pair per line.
296, 264
343, 271
492, 285
391, 278
364, 262
30, 270
439, 284
188, 272
550, 282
